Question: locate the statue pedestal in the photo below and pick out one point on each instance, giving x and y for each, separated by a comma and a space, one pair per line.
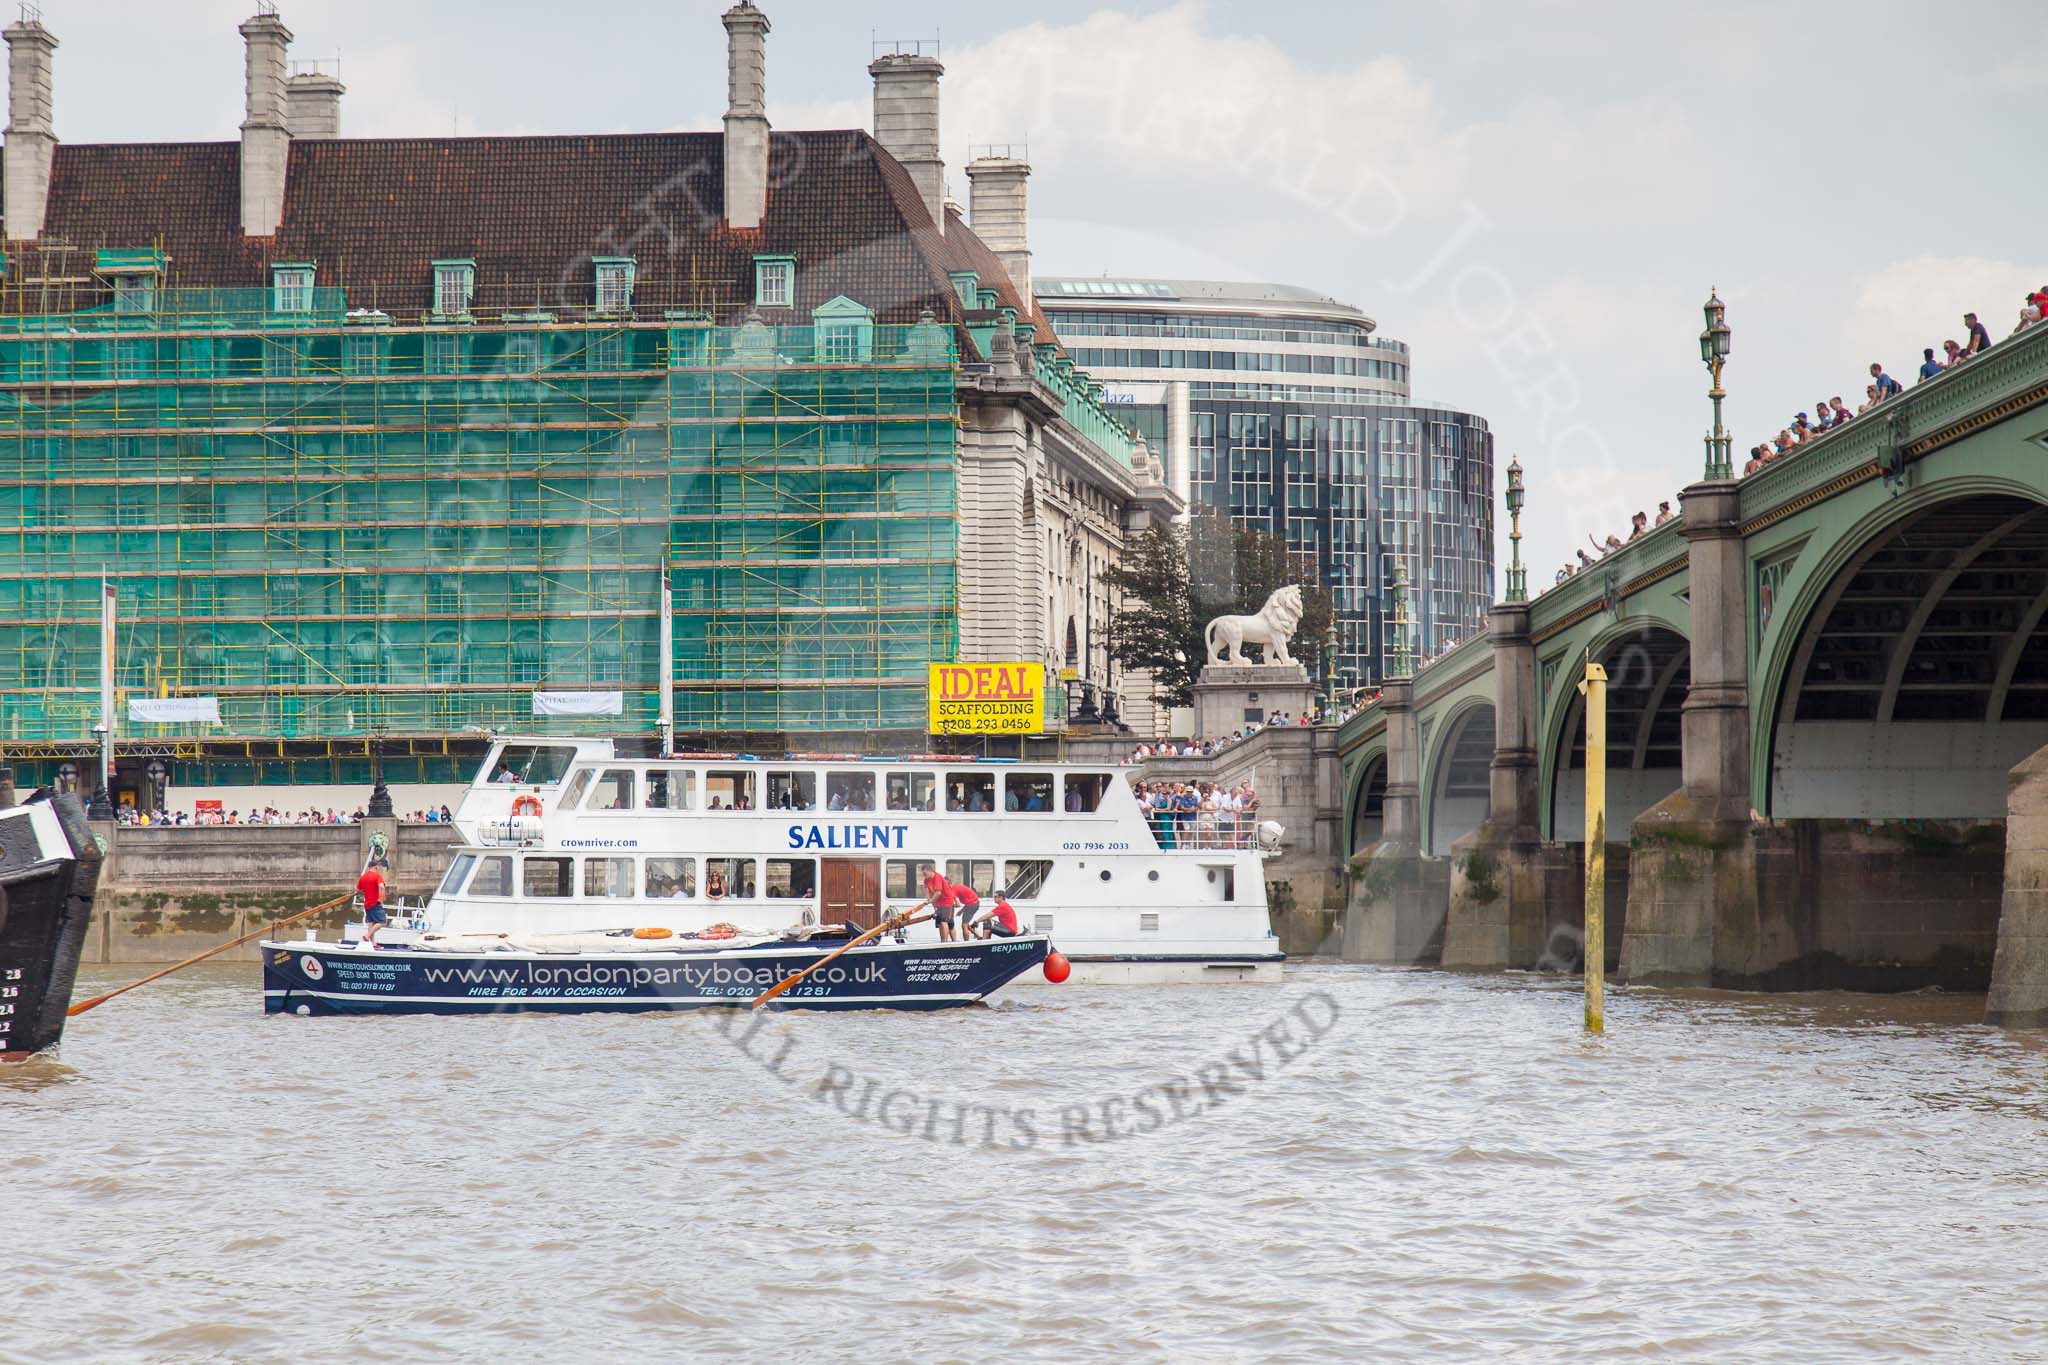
1229, 695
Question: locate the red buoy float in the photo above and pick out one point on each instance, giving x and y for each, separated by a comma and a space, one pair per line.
1057, 968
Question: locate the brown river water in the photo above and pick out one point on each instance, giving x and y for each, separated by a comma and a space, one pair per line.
1357, 1164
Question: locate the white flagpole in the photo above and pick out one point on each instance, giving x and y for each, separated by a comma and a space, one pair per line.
668, 665
106, 683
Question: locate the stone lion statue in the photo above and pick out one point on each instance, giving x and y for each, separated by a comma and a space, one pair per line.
1273, 627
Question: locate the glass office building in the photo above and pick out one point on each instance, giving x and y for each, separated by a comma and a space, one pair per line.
1285, 410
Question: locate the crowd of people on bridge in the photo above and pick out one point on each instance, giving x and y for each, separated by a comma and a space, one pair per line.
255, 815
1206, 748
1830, 414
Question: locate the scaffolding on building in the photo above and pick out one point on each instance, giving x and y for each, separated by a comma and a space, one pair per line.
350, 522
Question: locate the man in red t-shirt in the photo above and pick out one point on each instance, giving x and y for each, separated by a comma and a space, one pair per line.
370, 886
938, 894
999, 922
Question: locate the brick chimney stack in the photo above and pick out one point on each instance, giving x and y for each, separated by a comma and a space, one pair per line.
266, 135
746, 115
907, 122
31, 136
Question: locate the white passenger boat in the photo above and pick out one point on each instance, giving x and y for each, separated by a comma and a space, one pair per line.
564, 836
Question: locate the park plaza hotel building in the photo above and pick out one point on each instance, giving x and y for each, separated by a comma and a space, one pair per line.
1286, 410
376, 438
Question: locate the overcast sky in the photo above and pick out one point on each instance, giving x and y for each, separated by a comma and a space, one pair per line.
1535, 196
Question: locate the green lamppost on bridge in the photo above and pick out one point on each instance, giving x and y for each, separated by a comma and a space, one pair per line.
1403, 665
1714, 351
1518, 577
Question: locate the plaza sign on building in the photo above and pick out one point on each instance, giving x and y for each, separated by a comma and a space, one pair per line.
987, 699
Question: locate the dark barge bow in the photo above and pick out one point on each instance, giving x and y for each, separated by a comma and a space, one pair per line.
49, 870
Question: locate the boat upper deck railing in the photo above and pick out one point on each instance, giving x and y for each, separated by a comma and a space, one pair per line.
1202, 831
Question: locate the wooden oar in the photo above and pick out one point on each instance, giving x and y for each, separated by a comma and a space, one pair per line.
82, 1006
902, 921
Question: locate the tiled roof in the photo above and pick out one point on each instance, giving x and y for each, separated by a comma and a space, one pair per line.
372, 214
969, 252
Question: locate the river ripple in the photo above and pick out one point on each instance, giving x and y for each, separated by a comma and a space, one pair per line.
1432, 1167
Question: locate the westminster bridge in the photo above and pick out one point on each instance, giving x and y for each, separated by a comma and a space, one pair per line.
1827, 716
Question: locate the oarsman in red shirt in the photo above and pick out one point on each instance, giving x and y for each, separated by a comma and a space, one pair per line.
997, 922
938, 894
371, 887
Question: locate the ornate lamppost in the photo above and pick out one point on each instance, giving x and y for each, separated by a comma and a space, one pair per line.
1714, 352
101, 806
1518, 577
380, 795
1330, 670
1403, 665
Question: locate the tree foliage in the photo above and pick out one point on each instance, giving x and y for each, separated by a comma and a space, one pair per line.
1176, 579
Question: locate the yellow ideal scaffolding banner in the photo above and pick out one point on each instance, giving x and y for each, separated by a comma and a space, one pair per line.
987, 699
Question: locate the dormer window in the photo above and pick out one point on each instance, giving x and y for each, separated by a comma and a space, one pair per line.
967, 285
133, 273
454, 285
614, 283
774, 281
291, 287
135, 293
846, 332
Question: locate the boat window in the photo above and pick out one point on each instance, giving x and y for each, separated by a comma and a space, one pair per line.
671, 878
792, 878
457, 870
849, 791
729, 790
539, 765
1086, 790
671, 789
579, 782
912, 791
1024, 878
545, 876
792, 791
607, 878
1027, 791
970, 791
494, 878
729, 878
979, 873
904, 879
614, 790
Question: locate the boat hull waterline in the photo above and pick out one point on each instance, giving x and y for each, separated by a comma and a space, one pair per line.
327, 978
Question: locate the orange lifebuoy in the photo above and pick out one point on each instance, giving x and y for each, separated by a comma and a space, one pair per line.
528, 804
653, 932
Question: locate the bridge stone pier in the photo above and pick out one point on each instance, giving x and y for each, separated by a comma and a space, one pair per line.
1827, 723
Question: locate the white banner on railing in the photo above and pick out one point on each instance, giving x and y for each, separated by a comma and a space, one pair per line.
579, 703
166, 710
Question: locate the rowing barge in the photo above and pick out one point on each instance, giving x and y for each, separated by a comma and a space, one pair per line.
619, 971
